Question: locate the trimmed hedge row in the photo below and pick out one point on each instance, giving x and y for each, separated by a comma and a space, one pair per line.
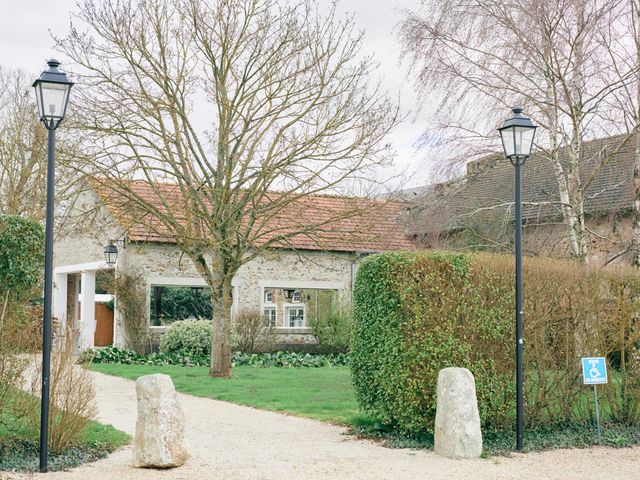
417, 313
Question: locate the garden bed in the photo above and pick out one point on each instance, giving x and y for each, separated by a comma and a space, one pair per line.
19, 448
501, 443
121, 356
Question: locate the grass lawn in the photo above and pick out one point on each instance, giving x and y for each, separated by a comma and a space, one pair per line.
321, 393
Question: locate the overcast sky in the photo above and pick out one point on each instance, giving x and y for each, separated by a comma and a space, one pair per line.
25, 43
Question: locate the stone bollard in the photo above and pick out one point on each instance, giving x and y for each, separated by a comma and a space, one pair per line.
457, 433
159, 440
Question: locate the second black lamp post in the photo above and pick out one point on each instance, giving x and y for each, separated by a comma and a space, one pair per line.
517, 135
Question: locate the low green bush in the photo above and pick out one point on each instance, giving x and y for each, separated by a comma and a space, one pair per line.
417, 313
275, 359
188, 338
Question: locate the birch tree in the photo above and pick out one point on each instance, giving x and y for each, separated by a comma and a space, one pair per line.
289, 112
550, 56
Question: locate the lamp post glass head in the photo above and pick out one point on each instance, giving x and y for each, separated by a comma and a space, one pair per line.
52, 95
111, 254
517, 135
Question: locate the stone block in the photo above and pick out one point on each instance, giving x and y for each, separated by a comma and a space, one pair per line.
457, 432
159, 440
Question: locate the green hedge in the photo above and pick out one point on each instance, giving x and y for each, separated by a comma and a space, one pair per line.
21, 254
417, 313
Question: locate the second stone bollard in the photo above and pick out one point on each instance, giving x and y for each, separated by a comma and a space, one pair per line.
457, 432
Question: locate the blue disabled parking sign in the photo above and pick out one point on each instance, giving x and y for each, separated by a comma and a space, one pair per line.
594, 370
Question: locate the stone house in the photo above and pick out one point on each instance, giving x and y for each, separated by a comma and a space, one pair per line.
475, 211
288, 285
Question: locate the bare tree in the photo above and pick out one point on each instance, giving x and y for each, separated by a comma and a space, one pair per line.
22, 149
284, 93
552, 56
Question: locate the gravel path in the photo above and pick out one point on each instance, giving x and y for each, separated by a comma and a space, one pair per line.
229, 441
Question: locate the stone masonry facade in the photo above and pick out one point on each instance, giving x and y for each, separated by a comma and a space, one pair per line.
82, 238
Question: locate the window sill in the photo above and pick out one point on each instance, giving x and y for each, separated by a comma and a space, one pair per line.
294, 330
158, 328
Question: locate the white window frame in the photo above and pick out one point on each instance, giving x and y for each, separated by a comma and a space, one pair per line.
297, 306
273, 320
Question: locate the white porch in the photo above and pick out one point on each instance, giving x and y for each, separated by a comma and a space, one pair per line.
74, 299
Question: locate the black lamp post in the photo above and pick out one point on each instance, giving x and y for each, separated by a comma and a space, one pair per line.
517, 135
52, 96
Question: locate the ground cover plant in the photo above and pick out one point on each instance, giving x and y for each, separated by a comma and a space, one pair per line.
273, 359
417, 313
502, 442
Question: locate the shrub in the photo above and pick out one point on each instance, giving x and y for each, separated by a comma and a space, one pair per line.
333, 328
188, 337
72, 399
417, 313
251, 334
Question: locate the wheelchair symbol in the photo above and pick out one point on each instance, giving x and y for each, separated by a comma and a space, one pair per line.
594, 372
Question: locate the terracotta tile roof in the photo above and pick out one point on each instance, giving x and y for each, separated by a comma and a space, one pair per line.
489, 187
330, 220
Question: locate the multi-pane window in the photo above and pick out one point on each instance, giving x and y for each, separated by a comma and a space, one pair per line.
295, 316
270, 316
268, 297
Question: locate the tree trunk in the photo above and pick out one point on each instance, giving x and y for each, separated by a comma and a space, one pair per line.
221, 338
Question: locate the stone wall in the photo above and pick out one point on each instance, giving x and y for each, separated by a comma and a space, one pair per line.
608, 236
83, 231
164, 264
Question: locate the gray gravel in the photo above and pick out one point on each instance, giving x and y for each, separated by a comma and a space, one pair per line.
229, 441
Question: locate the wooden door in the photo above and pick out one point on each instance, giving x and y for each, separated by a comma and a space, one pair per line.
104, 326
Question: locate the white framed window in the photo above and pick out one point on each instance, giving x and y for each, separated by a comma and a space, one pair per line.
268, 297
294, 315
296, 297
270, 316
